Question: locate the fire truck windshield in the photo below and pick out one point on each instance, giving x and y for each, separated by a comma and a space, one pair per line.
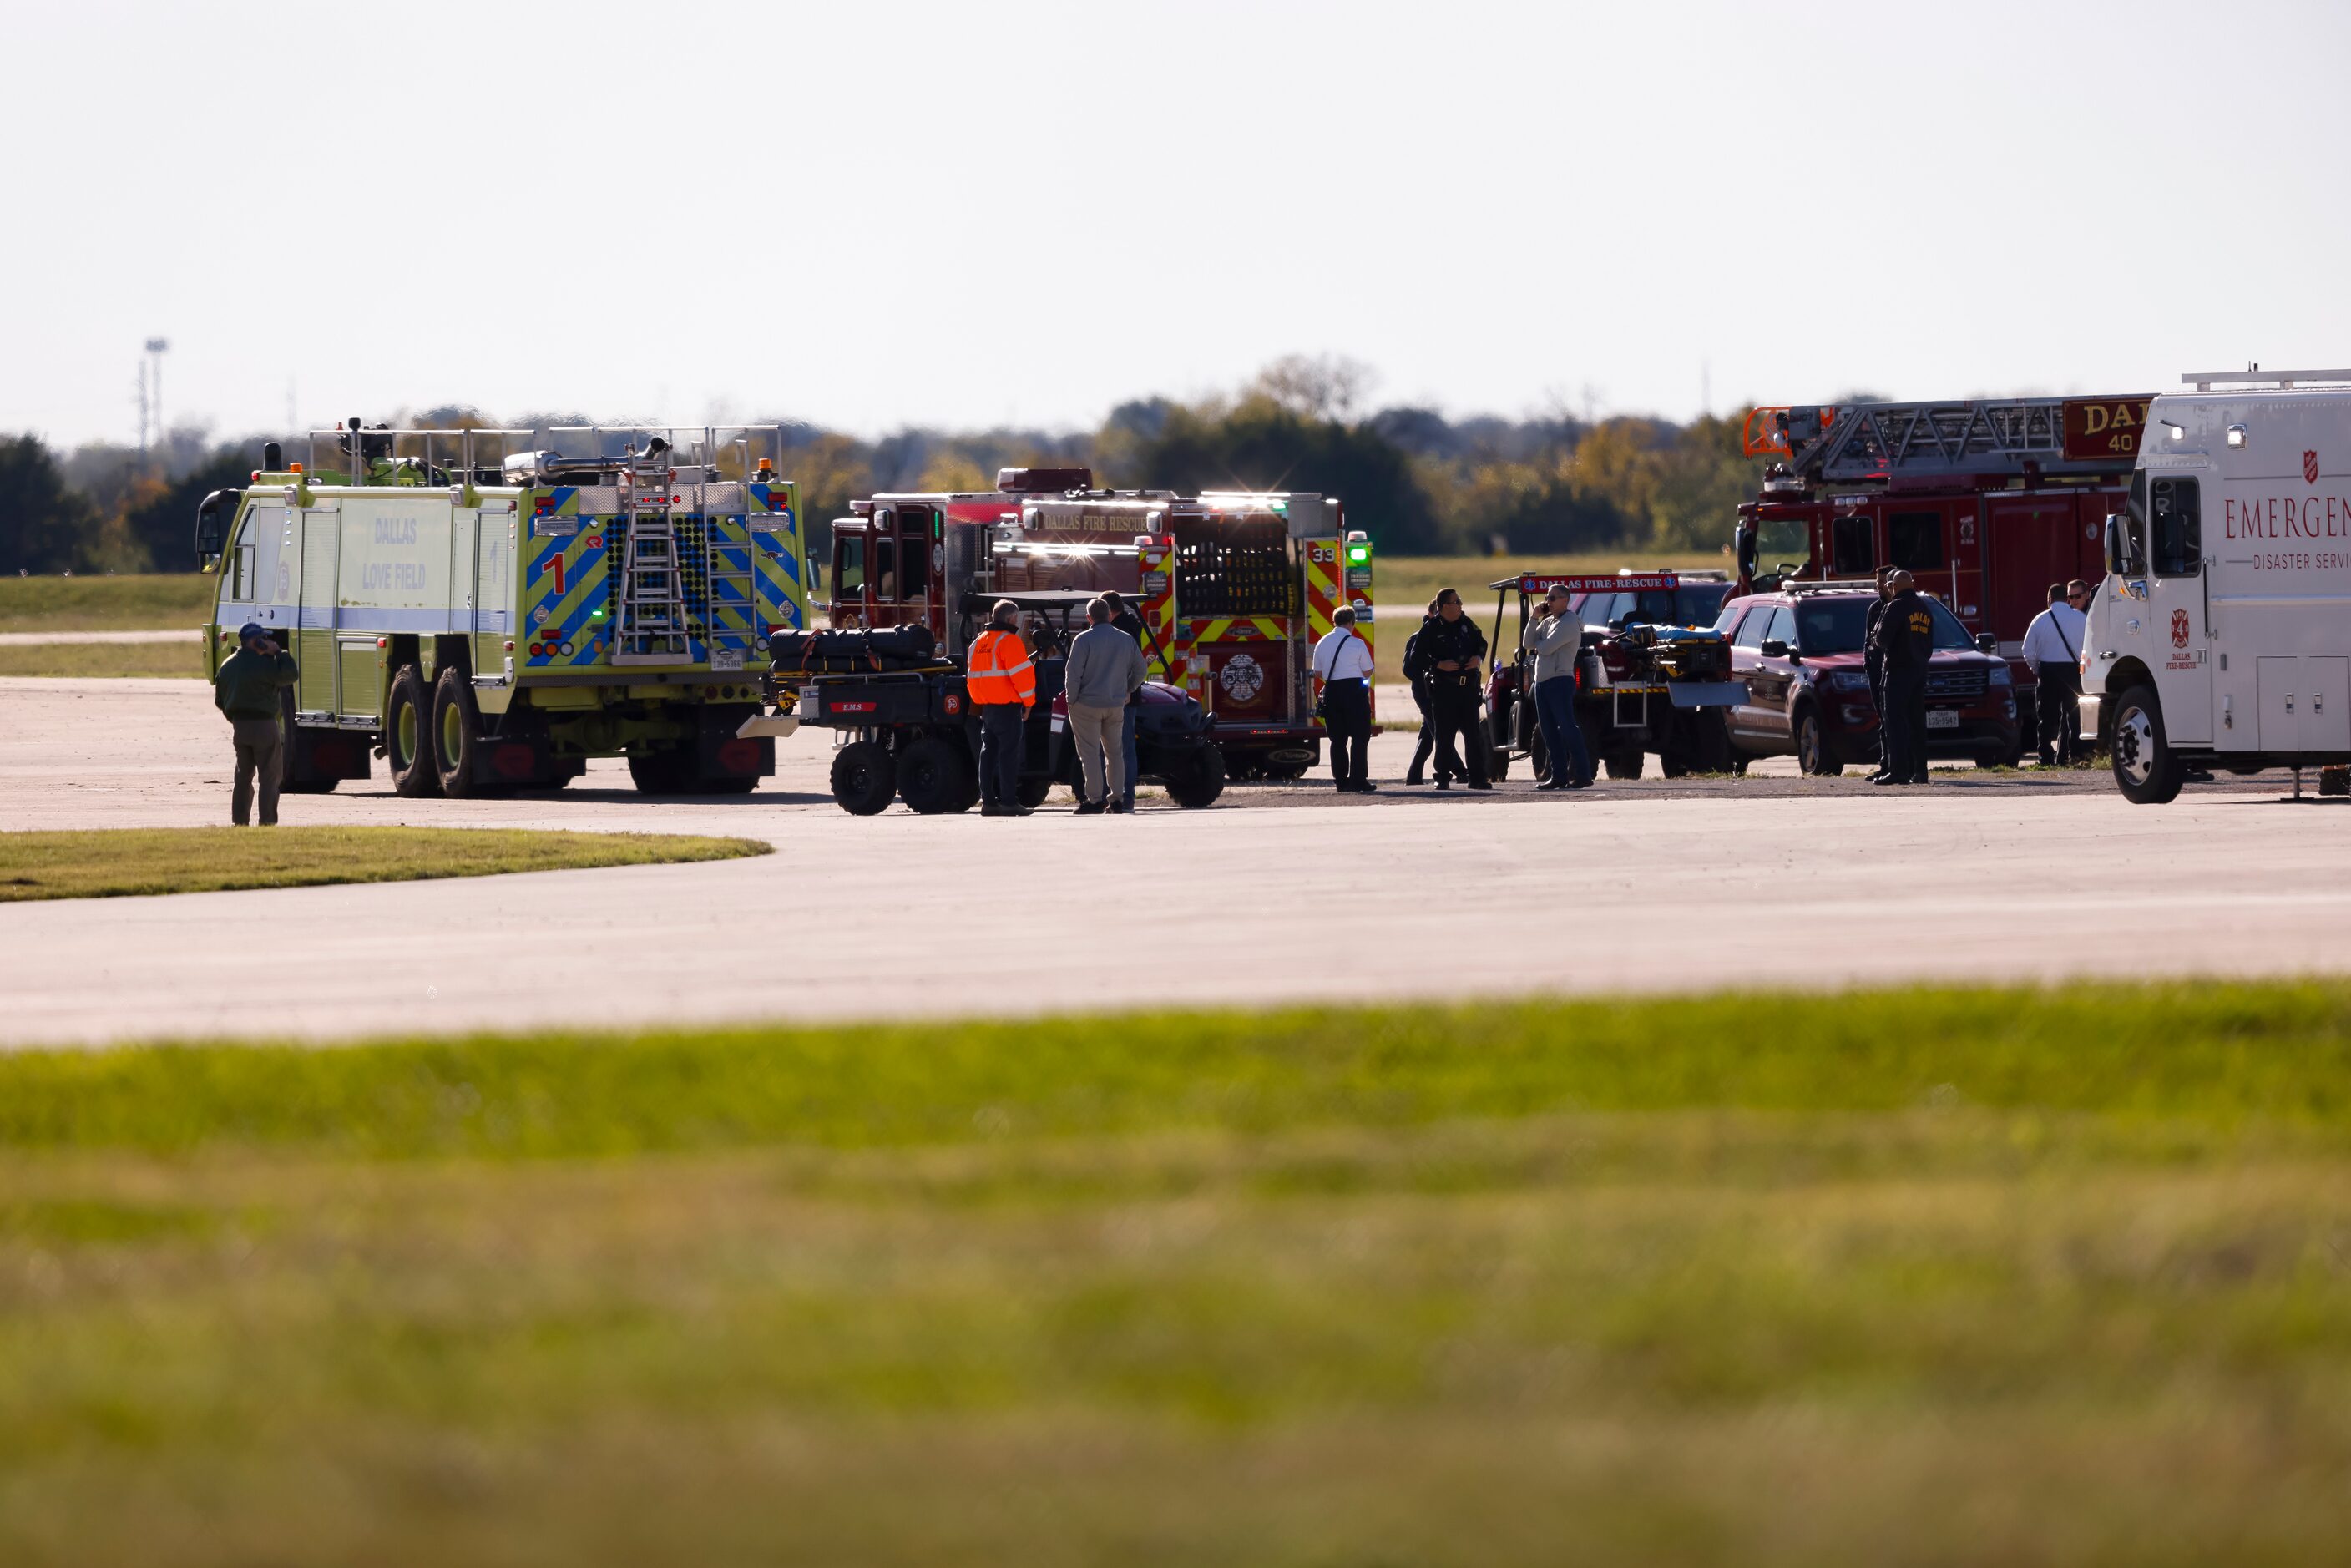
1691, 604
1837, 626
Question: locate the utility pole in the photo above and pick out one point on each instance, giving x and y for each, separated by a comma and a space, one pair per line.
154, 393
141, 371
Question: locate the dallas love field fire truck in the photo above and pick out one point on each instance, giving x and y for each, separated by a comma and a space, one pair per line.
1234, 589
486, 618
1984, 501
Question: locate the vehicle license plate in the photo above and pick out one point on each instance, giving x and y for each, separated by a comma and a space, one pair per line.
1942, 718
732, 659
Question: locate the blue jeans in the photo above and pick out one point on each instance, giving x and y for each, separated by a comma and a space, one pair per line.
1562, 737
1126, 740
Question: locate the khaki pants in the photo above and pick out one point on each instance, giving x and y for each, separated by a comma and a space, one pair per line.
258, 750
1100, 736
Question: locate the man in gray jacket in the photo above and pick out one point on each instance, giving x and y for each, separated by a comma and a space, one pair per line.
1105, 668
1554, 639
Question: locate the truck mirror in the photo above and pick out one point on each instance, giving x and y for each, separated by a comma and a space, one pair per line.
1987, 644
1773, 648
2118, 542
211, 523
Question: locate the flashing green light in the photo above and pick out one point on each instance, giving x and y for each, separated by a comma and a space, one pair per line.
595, 615
1358, 554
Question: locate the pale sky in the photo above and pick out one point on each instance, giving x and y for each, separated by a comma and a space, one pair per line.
873, 215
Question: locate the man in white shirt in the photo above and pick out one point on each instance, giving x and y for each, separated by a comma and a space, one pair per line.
2053, 646
1343, 662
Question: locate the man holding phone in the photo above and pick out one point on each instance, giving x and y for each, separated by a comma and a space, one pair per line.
245, 691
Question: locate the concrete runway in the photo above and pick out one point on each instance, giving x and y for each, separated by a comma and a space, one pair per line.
1278, 893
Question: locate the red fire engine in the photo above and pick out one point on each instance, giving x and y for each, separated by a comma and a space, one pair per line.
1984, 501
1233, 589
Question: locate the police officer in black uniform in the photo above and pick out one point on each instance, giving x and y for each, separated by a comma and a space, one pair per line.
1906, 635
1415, 670
1452, 647
1874, 657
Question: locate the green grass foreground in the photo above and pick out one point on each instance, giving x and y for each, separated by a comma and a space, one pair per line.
120, 862
1913, 1276
128, 603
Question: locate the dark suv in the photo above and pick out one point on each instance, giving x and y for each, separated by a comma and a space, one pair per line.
1808, 693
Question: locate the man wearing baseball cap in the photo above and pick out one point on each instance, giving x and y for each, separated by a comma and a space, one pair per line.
245, 691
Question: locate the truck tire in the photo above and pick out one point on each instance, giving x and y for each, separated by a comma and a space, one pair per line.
456, 737
1622, 764
408, 737
1816, 754
931, 777
1710, 741
1199, 781
2147, 769
864, 779
294, 776
662, 772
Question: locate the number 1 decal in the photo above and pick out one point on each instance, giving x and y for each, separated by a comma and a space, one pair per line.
555, 566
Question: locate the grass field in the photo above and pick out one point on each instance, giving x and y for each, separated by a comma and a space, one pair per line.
185, 660
1918, 1277
119, 861
144, 604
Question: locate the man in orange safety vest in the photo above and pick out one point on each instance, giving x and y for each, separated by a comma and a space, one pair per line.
1002, 682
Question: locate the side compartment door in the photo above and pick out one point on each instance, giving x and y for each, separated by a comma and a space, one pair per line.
465, 529
494, 592
2032, 546
315, 637
2328, 725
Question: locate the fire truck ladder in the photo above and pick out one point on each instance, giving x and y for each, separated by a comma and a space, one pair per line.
651, 618
1974, 437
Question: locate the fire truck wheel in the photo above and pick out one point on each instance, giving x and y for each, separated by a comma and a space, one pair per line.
864, 779
295, 777
2146, 768
1814, 755
931, 777
1198, 779
408, 737
662, 772
457, 724
1710, 741
1622, 764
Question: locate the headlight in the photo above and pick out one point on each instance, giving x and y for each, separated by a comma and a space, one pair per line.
2001, 675
1848, 680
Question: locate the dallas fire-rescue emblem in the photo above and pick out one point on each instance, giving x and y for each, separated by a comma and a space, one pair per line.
1242, 677
2179, 628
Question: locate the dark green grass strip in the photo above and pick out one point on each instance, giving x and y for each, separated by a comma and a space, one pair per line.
2212, 1054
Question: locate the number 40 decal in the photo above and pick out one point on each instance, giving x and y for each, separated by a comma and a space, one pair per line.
554, 566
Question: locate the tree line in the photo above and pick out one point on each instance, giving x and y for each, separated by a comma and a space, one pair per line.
1418, 482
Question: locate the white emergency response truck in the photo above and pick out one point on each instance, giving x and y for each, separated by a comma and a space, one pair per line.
2221, 636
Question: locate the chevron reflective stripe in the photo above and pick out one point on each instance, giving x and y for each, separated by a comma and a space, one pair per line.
1157, 562
562, 601
774, 522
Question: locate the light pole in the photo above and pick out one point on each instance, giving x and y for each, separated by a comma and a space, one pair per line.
155, 347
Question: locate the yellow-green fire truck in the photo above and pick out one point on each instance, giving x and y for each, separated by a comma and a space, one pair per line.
485, 615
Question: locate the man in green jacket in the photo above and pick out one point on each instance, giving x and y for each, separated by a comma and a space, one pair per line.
245, 691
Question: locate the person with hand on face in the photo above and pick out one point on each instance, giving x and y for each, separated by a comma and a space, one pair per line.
245, 690
1907, 633
1342, 660
1453, 648
1002, 681
1554, 639
1415, 670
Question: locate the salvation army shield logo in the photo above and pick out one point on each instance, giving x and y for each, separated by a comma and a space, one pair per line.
2179, 628
1242, 677
2310, 467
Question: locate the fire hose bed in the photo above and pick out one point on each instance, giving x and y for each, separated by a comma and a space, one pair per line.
1946, 1276
127, 862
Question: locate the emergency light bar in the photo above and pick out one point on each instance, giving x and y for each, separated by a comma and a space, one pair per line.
1009, 541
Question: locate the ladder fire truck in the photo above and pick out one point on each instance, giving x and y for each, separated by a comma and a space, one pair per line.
1233, 587
1984, 501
